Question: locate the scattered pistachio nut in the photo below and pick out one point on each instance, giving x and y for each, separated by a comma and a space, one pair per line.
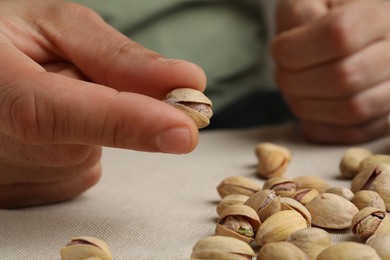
376, 178
192, 102
348, 251
238, 221
341, 191
282, 251
86, 247
265, 203
279, 226
292, 204
229, 200
313, 182
237, 185
370, 221
282, 186
273, 159
311, 240
221, 247
368, 198
304, 196
329, 210
381, 245
350, 162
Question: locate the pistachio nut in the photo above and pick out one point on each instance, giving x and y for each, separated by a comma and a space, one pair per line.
369, 221
282, 186
291, 204
192, 102
374, 159
376, 178
348, 251
85, 247
229, 200
282, 251
313, 182
221, 247
279, 226
237, 185
310, 240
381, 245
273, 159
329, 210
368, 198
238, 221
265, 203
341, 191
304, 196
350, 162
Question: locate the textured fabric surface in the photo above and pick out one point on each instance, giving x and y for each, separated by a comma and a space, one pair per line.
157, 206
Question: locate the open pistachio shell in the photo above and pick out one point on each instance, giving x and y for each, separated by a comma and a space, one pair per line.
376, 178
370, 221
279, 226
221, 247
282, 186
281, 251
381, 245
329, 210
229, 200
192, 102
304, 196
374, 159
237, 185
238, 221
265, 203
291, 204
348, 251
311, 240
85, 247
368, 198
273, 159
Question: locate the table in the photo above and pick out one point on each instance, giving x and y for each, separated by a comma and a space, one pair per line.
157, 206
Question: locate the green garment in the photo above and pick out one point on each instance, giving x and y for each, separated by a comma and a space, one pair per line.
226, 38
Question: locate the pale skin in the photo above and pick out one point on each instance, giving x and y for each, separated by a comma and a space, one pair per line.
333, 61
70, 84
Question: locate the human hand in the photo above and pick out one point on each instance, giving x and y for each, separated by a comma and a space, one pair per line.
332, 67
69, 84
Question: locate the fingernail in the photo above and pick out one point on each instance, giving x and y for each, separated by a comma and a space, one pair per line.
174, 140
169, 61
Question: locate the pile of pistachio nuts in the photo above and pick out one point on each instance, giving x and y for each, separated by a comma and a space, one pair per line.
292, 218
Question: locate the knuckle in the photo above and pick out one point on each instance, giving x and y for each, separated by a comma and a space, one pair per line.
355, 111
339, 32
346, 78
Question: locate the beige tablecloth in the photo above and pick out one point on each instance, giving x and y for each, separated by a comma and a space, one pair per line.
157, 206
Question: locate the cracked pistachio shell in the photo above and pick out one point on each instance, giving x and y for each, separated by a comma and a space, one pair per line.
281, 251
85, 247
282, 186
237, 185
229, 200
350, 162
279, 226
265, 203
304, 196
341, 191
313, 182
244, 212
348, 251
370, 221
375, 178
381, 245
368, 198
272, 159
329, 210
192, 102
374, 159
292, 204
310, 240
221, 247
